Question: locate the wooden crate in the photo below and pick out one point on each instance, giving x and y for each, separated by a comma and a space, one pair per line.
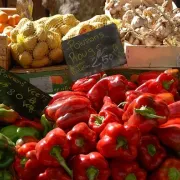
5, 60
9, 11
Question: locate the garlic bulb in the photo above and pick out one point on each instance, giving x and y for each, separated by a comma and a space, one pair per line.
137, 22
128, 16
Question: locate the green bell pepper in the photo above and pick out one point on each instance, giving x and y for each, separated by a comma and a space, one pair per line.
14, 132
46, 124
7, 151
6, 175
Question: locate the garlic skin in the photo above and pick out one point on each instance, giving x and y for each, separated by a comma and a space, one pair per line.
137, 22
128, 16
162, 30
127, 7
150, 40
149, 11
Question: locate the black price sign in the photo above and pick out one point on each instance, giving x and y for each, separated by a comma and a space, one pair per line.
20, 95
93, 52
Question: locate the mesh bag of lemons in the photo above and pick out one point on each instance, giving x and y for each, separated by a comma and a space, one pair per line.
37, 44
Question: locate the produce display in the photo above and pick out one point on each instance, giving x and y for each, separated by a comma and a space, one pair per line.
7, 23
106, 127
96, 22
147, 23
37, 44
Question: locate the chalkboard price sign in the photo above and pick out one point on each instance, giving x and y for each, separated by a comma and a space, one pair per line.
20, 95
93, 52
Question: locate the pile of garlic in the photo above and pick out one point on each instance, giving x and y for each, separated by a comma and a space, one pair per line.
37, 44
151, 22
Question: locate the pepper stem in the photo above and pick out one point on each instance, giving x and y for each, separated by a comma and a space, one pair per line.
167, 84
79, 142
122, 104
130, 176
151, 149
173, 174
56, 153
148, 113
23, 161
92, 173
99, 120
121, 142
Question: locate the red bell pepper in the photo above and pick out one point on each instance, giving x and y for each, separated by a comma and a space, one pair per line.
146, 112
86, 83
72, 118
169, 170
127, 171
26, 164
145, 76
53, 149
112, 107
62, 95
24, 140
118, 141
23, 122
174, 110
70, 111
61, 107
82, 139
162, 84
98, 122
169, 134
151, 153
168, 98
131, 85
113, 86
53, 174
92, 166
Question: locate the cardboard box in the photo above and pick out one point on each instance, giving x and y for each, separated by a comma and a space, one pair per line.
5, 60
49, 79
152, 56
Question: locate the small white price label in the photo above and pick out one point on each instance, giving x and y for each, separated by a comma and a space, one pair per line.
43, 83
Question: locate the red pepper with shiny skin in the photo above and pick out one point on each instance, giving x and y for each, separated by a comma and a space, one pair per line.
61, 107
169, 170
174, 110
169, 134
113, 86
162, 84
72, 118
112, 107
68, 112
127, 171
53, 174
98, 122
82, 139
118, 141
92, 166
168, 98
151, 153
26, 164
145, 76
53, 149
23, 122
146, 113
62, 95
86, 83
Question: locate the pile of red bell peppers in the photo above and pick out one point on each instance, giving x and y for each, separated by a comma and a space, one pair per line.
106, 128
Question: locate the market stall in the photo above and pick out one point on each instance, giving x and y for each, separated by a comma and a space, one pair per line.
91, 100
